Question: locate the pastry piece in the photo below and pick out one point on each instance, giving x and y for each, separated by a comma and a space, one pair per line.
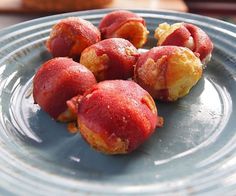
185, 35
168, 72
112, 58
117, 116
57, 81
124, 24
71, 36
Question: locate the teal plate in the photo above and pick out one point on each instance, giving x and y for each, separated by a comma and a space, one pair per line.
194, 153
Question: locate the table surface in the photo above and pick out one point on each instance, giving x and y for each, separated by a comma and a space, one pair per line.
13, 12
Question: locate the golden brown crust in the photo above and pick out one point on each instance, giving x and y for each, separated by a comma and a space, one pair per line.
139, 34
164, 30
170, 76
96, 64
67, 116
103, 143
182, 78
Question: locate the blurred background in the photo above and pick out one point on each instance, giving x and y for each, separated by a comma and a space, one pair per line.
15, 11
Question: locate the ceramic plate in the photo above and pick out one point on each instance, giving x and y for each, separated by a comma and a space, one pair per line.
194, 153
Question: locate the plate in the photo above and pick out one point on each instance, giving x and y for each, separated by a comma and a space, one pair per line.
194, 153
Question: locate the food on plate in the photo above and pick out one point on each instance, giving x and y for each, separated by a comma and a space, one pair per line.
185, 35
168, 72
124, 24
117, 116
112, 58
70, 36
56, 82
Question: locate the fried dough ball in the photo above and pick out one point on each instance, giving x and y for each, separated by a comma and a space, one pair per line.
168, 72
71, 36
185, 35
117, 116
124, 24
112, 58
57, 81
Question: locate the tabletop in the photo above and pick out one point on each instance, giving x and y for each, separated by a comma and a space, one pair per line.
13, 12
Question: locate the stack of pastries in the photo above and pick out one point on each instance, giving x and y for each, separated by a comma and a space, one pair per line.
99, 80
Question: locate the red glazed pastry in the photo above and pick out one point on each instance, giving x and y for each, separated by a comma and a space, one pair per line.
124, 24
112, 58
117, 116
57, 81
71, 36
186, 35
168, 72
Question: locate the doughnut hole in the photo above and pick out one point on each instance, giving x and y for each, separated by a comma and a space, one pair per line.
56, 82
117, 116
185, 35
70, 36
124, 24
168, 72
109, 59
